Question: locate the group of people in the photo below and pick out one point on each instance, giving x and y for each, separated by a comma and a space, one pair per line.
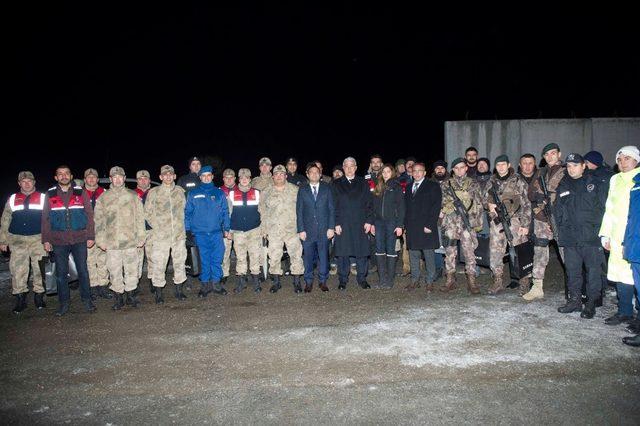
392, 211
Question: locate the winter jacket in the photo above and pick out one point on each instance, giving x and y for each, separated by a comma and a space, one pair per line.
119, 218
390, 204
207, 210
164, 211
631, 240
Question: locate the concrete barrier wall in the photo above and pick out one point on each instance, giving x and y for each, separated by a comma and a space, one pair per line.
515, 137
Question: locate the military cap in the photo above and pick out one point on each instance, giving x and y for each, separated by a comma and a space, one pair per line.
440, 163
457, 161
142, 173
574, 158
279, 169
117, 170
264, 160
205, 169
400, 162
502, 159
167, 169
549, 147
228, 172
292, 160
93, 172
244, 173
192, 159
25, 175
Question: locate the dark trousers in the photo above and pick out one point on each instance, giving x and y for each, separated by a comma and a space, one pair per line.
316, 252
344, 266
385, 237
429, 263
61, 257
591, 258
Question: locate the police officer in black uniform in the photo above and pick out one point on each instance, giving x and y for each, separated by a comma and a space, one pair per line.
191, 180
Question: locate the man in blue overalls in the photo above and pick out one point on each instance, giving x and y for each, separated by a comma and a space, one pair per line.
206, 218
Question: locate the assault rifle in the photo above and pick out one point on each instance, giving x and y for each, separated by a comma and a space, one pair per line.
460, 209
503, 218
547, 207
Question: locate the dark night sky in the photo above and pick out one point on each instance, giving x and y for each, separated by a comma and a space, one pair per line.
140, 88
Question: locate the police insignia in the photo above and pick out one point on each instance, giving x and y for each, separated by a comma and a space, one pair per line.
590, 187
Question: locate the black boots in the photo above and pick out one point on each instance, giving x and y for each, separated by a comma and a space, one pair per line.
132, 299
21, 303
217, 288
159, 297
38, 300
204, 290
589, 310
62, 309
119, 302
256, 283
152, 289
365, 285
391, 270
381, 260
572, 305
241, 282
276, 284
179, 292
297, 287
104, 292
88, 306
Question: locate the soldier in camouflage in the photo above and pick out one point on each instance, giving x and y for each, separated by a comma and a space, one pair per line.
265, 180
512, 192
120, 231
164, 211
468, 191
229, 184
278, 223
553, 173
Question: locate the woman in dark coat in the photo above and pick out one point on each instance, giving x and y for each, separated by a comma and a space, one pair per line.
354, 220
388, 207
423, 201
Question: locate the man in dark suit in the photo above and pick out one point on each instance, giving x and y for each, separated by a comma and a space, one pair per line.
423, 199
354, 219
316, 223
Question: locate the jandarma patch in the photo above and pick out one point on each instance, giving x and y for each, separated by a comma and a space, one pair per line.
590, 187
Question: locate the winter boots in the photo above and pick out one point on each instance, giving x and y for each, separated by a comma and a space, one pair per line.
159, 297
118, 302
381, 260
132, 299
391, 270
297, 287
256, 283
241, 283
179, 289
38, 300
21, 303
535, 292
276, 284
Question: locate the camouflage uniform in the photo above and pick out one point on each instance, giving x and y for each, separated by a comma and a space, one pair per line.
26, 250
278, 220
512, 191
262, 182
119, 221
96, 257
468, 192
164, 211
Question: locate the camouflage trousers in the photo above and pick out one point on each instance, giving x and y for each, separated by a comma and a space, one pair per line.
498, 244
294, 248
97, 266
159, 255
26, 251
145, 252
468, 245
248, 243
542, 230
226, 260
123, 269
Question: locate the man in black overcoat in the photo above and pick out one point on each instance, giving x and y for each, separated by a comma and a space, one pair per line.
423, 199
354, 219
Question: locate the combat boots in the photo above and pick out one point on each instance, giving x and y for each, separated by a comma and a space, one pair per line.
118, 302
94, 293
256, 283
240, 283
21, 303
180, 292
450, 284
536, 291
381, 260
218, 289
589, 310
497, 286
132, 299
104, 292
204, 290
297, 287
525, 285
159, 297
471, 284
574, 304
276, 284
38, 300
152, 289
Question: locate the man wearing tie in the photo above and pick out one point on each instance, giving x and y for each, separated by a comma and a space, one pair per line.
423, 199
316, 222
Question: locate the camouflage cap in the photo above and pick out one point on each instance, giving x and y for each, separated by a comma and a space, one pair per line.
117, 170
167, 169
25, 174
244, 173
93, 172
264, 160
142, 173
457, 161
228, 172
279, 169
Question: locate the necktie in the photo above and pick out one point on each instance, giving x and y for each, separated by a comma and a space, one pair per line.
315, 193
415, 187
